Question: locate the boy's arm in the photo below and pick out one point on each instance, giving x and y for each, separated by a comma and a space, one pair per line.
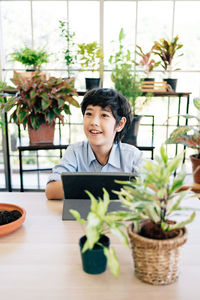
54, 190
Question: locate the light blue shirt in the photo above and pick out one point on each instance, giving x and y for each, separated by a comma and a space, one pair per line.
79, 157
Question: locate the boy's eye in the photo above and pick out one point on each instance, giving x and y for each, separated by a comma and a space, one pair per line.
88, 113
105, 115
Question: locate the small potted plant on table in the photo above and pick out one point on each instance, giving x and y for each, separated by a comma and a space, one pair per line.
95, 244
154, 235
38, 103
90, 56
166, 50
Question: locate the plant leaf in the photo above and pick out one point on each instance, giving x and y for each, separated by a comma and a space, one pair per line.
112, 260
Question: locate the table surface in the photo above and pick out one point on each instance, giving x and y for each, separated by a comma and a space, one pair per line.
41, 260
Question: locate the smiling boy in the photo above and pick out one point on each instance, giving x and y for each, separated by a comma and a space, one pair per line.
106, 117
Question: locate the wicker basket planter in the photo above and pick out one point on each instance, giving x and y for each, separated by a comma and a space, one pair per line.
156, 261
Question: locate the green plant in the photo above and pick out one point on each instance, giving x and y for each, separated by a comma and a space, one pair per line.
146, 61
125, 79
90, 56
3, 86
155, 196
99, 222
30, 58
166, 50
40, 100
70, 55
188, 135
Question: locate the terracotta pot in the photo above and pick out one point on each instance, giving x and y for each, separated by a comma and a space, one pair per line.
43, 135
195, 168
156, 261
10, 227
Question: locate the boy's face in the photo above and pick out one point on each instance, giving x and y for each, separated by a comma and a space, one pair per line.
100, 126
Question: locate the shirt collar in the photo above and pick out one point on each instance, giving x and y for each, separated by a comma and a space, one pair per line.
114, 158
91, 156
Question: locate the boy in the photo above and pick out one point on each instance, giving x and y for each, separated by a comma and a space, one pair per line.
106, 117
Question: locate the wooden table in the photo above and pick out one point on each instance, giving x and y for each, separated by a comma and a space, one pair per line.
41, 260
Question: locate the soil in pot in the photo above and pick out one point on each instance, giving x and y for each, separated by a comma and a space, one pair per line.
9, 216
94, 261
154, 231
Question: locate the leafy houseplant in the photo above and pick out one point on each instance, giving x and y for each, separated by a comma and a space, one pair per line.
126, 82
40, 101
123, 76
99, 223
70, 54
154, 236
146, 61
189, 136
167, 50
90, 56
30, 58
3, 86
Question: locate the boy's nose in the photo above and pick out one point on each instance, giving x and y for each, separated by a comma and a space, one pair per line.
95, 120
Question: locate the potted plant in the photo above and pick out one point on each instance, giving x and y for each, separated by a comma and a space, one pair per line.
146, 62
38, 103
95, 244
189, 136
126, 82
153, 201
166, 50
90, 57
70, 53
32, 59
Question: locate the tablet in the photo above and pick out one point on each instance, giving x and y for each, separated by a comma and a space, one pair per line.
75, 184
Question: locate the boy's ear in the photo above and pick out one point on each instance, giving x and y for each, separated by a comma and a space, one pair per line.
121, 124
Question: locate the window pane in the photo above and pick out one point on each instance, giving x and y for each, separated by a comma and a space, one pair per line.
46, 16
16, 27
117, 15
84, 20
187, 24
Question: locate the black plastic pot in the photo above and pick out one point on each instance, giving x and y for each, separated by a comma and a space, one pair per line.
147, 79
94, 261
172, 82
91, 83
130, 136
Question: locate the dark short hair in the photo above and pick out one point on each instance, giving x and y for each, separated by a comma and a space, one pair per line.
118, 104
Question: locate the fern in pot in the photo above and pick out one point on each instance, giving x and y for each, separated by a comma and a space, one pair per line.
32, 59
155, 236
